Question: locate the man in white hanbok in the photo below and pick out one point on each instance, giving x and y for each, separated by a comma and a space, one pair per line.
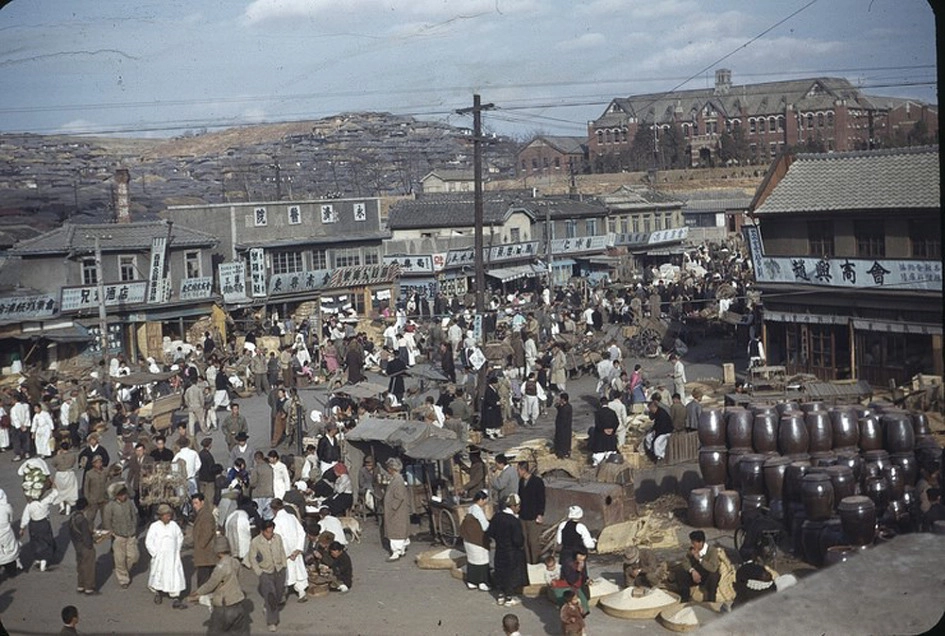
238, 534
9, 542
166, 574
42, 429
293, 539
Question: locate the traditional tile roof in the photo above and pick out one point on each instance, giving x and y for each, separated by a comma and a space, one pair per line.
893, 179
567, 208
122, 236
765, 98
720, 200
438, 211
449, 174
639, 198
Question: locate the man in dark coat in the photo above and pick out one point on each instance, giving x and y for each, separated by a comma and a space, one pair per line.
563, 426
531, 490
396, 369
491, 412
80, 531
604, 440
505, 531
354, 360
446, 361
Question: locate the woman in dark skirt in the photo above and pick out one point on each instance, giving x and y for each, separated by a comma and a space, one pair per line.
36, 517
473, 531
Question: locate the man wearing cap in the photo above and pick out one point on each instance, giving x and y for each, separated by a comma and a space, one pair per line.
396, 510
572, 535
491, 413
242, 449
267, 559
505, 530
228, 615
531, 491
234, 424
121, 520
641, 568
293, 540
166, 573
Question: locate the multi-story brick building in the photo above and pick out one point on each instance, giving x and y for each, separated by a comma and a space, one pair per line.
824, 113
552, 155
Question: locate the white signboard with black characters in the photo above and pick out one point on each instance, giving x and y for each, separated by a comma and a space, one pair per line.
233, 281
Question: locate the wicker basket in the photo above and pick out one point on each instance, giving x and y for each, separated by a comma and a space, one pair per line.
664, 619
430, 561
533, 591
647, 612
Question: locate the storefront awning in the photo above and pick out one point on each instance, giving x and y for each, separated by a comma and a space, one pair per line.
896, 327
807, 319
74, 333
507, 274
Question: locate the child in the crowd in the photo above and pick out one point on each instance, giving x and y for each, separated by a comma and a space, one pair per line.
572, 617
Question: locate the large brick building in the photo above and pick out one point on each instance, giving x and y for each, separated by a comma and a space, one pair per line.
827, 113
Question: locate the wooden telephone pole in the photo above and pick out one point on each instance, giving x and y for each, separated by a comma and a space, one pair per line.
476, 111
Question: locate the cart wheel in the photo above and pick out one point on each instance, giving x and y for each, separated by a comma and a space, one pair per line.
449, 532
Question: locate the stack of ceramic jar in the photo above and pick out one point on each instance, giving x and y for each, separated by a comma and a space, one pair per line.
829, 473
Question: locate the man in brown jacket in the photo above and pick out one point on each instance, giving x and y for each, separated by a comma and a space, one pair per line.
228, 615
704, 565
203, 534
267, 559
121, 519
95, 490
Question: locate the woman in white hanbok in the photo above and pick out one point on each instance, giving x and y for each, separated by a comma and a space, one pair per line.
9, 543
42, 429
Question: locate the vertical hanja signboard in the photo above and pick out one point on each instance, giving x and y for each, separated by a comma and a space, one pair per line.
156, 286
257, 271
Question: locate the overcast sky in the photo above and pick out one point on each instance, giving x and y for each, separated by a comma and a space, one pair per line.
159, 67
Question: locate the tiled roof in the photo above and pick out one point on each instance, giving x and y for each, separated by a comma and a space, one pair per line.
567, 208
122, 236
639, 197
765, 98
893, 178
451, 211
450, 174
720, 200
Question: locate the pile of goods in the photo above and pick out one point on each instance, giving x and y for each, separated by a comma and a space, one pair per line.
678, 619
830, 473
34, 482
446, 559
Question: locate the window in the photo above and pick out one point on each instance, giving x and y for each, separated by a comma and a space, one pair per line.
636, 224
657, 223
623, 134
192, 264
761, 125
772, 123
89, 272
820, 238
752, 125
600, 136
870, 238
830, 119
371, 256
820, 120
590, 227
348, 257
926, 239
328, 213
625, 225
515, 235
646, 224
773, 149
544, 162
781, 123
534, 163
667, 220
360, 211
570, 229
127, 268
260, 217
286, 262
319, 259
608, 136
810, 120
612, 226
295, 215
557, 162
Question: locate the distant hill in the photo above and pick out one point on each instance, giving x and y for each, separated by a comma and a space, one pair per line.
355, 154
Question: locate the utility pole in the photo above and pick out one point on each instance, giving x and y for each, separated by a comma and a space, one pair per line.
102, 315
476, 111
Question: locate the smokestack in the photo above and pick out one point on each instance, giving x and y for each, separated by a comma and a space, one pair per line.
122, 196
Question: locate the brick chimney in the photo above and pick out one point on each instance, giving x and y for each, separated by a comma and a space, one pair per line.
723, 81
122, 196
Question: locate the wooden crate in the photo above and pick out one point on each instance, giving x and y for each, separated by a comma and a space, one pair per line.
683, 447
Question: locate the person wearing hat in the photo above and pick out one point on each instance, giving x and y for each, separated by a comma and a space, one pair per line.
166, 572
641, 568
572, 535
227, 616
80, 532
121, 520
396, 510
473, 531
94, 489
242, 449
202, 534
491, 412
505, 530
